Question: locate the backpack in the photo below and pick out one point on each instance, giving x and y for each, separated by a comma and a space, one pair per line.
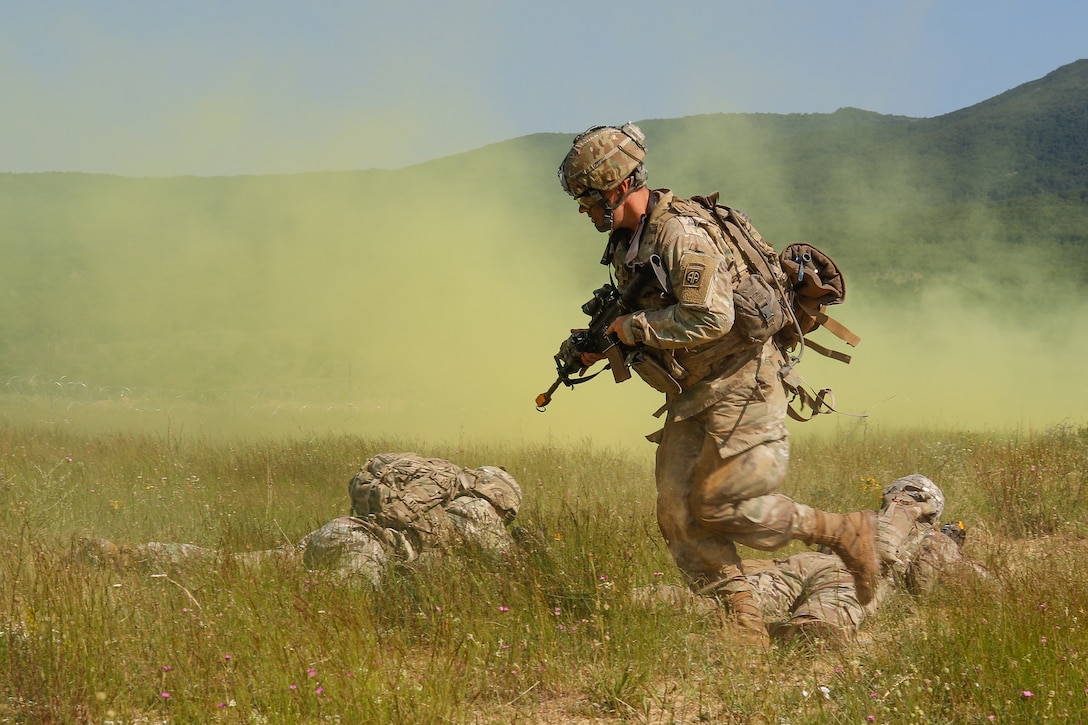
784, 298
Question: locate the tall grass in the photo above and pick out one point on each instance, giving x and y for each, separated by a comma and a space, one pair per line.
546, 632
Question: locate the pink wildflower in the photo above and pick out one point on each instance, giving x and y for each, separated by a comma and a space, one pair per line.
166, 695
504, 608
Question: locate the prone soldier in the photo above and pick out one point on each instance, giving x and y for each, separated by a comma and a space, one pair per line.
403, 506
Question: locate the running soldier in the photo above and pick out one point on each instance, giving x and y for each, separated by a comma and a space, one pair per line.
723, 452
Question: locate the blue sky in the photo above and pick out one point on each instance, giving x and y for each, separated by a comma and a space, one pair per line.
211, 88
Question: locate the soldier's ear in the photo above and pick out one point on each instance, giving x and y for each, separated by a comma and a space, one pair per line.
618, 192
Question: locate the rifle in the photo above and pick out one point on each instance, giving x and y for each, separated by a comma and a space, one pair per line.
603, 308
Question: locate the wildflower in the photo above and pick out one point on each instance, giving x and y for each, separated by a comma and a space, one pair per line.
226, 657
292, 686
437, 608
221, 704
165, 695
603, 578
504, 608
1027, 693
826, 692
319, 690
166, 668
1043, 640
185, 610
311, 672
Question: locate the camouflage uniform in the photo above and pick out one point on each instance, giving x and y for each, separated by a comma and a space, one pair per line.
403, 505
813, 594
724, 451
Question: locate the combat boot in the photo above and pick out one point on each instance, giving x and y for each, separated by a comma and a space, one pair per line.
97, 552
746, 619
742, 615
853, 539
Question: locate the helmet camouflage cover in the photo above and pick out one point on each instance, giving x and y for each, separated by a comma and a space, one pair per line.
601, 158
919, 488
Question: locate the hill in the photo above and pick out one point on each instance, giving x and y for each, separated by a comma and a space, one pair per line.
433, 297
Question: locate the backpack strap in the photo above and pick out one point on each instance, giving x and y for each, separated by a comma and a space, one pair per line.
840, 331
804, 400
837, 329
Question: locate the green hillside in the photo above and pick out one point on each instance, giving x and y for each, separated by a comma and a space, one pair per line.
440, 291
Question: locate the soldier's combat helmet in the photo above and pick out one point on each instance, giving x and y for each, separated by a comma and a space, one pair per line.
919, 488
599, 160
498, 488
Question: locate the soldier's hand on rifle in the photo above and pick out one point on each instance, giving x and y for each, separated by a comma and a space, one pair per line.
588, 358
616, 328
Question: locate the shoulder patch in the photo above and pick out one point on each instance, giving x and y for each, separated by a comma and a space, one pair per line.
696, 274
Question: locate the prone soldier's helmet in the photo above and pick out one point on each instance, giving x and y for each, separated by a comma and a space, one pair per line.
599, 160
919, 488
498, 488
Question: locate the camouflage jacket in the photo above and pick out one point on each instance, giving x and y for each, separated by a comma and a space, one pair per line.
686, 322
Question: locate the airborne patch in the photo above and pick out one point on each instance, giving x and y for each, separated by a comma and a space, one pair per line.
696, 274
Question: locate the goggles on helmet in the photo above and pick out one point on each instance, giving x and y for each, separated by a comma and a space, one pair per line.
589, 199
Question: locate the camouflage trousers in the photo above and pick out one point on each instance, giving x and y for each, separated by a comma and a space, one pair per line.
806, 587
707, 504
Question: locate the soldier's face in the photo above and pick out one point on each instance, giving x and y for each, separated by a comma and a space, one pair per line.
594, 208
595, 211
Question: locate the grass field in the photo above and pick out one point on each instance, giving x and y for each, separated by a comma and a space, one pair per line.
548, 634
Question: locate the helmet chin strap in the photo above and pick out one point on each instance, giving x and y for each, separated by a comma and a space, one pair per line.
606, 221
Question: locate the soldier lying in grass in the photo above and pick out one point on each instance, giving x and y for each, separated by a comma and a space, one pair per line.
403, 506
810, 596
